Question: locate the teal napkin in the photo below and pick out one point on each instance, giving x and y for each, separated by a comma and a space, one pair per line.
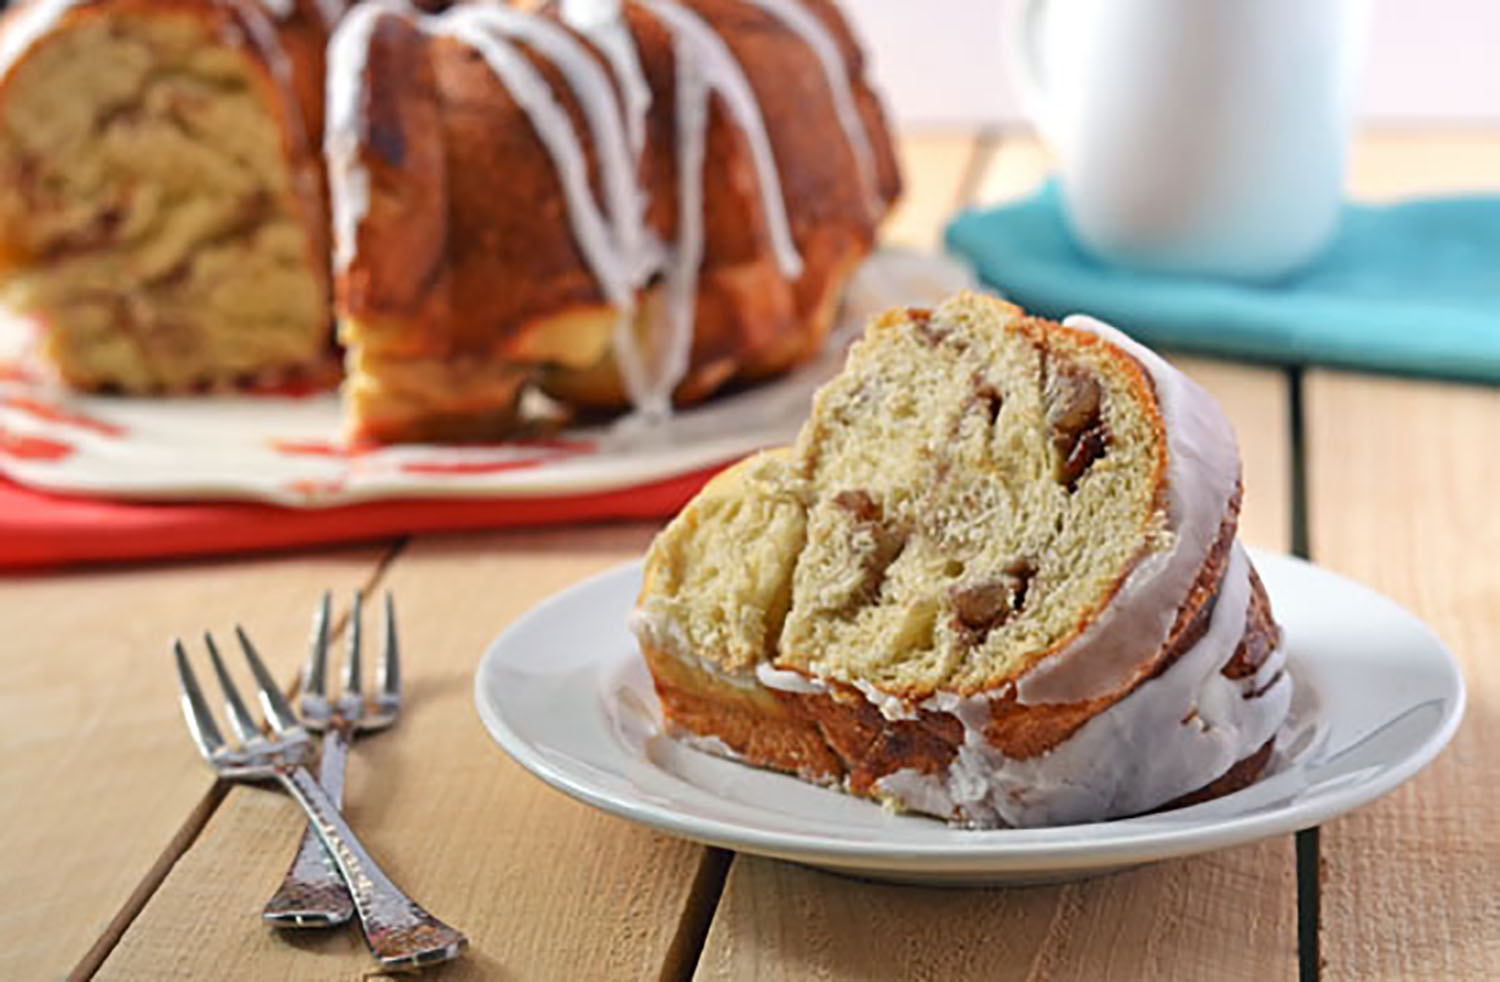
1411, 288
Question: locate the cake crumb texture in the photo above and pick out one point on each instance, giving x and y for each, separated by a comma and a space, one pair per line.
153, 219
966, 496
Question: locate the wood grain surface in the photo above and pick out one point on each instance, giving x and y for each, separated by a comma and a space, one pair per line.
935, 171
1215, 917
1401, 491
101, 786
1397, 163
1402, 479
546, 888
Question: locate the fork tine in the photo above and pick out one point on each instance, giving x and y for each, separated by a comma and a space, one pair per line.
315, 678
390, 661
278, 712
352, 670
200, 720
240, 720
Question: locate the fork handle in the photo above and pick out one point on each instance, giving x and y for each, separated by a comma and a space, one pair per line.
399, 932
312, 894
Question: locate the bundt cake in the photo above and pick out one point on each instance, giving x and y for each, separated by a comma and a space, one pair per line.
995, 580
162, 215
620, 204
613, 204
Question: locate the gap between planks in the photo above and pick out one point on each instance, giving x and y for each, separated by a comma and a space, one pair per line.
697, 915
1309, 899
197, 818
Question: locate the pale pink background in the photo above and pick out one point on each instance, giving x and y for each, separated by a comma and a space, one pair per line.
940, 62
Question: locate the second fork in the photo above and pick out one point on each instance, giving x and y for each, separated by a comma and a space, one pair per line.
312, 894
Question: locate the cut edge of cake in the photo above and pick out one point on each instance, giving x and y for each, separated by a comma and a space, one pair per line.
1180, 627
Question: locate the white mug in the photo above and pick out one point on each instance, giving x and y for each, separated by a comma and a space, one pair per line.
1194, 136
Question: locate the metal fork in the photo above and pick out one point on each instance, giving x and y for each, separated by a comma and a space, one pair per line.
399, 932
312, 894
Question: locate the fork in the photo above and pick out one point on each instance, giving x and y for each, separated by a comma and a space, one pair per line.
399, 933
312, 894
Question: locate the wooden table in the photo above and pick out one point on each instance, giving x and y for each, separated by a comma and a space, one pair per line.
122, 859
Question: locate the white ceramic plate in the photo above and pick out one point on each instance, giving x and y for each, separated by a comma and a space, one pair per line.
286, 449
566, 693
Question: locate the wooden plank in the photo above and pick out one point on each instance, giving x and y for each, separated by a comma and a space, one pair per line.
1400, 498
1229, 915
1383, 164
546, 888
934, 169
779, 921
1017, 162
1390, 164
101, 786
1402, 482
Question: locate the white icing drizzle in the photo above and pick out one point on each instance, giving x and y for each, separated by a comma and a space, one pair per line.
697, 44
1203, 469
591, 86
632, 257
685, 257
348, 179
601, 22
706, 66
268, 42
552, 126
705, 744
817, 37
29, 24
331, 11
621, 253
788, 681
891, 707
1173, 734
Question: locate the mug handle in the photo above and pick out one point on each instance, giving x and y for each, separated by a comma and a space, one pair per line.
1025, 24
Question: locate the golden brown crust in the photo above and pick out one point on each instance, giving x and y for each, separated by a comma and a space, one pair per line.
401, 281
867, 744
454, 263
749, 719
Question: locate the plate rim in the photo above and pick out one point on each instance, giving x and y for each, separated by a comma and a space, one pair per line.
995, 850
